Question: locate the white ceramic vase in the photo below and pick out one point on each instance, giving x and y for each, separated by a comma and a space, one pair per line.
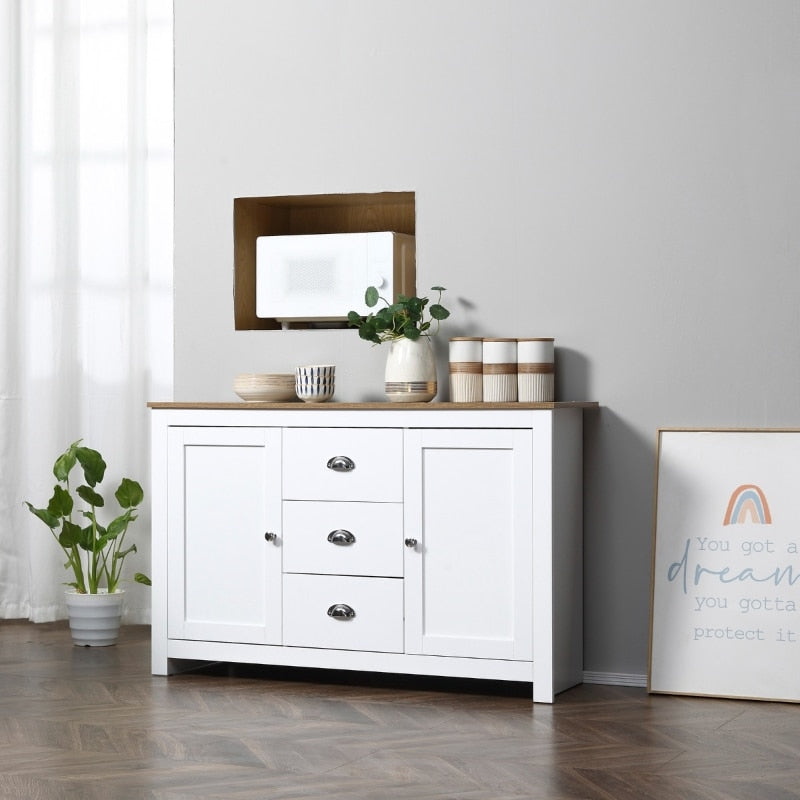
410, 371
94, 618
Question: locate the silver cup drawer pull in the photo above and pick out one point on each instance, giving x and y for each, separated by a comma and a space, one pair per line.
341, 611
341, 537
341, 464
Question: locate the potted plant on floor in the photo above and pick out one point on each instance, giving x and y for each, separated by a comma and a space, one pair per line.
410, 365
95, 552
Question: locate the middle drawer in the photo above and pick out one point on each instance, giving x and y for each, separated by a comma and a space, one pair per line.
332, 538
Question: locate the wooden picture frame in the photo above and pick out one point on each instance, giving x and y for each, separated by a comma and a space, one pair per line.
725, 575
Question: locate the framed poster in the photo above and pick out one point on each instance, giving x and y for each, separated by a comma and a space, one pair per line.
725, 611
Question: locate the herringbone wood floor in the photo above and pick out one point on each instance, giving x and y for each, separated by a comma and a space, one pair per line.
93, 723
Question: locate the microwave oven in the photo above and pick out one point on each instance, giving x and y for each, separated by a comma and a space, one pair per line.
321, 277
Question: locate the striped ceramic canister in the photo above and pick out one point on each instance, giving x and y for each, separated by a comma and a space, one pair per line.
466, 369
535, 370
499, 370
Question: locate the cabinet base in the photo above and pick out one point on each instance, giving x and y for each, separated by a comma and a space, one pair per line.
185, 654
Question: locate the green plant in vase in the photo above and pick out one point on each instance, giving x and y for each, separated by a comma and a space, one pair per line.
410, 366
95, 552
404, 318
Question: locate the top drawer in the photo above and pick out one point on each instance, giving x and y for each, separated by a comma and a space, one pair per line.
343, 464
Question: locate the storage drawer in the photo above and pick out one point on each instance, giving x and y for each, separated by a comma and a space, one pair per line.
312, 603
343, 538
343, 464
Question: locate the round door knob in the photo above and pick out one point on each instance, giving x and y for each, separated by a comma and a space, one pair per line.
270, 536
411, 543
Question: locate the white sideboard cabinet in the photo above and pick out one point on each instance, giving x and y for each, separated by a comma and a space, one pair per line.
432, 539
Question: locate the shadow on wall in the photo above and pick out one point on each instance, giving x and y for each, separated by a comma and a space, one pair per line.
572, 374
619, 485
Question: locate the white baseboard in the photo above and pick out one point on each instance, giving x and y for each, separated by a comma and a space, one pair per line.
615, 678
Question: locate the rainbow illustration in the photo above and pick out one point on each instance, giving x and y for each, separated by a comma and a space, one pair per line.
748, 503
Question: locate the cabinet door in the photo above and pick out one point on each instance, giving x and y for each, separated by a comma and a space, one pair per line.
468, 505
224, 496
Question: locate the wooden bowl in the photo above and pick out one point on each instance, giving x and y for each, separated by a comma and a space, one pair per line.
265, 387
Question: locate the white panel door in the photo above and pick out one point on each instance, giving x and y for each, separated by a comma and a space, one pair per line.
468, 577
224, 564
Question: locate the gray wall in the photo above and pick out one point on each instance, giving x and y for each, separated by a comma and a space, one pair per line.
621, 175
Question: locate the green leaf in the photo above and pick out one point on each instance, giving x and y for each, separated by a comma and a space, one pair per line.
86, 537
118, 525
94, 536
353, 318
90, 496
70, 535
371, 296
439, 312
65, 462
411, 333
119, 556
141, 578
370, 337
44, 515
61, 502
438, 289
368, 330
94, 468
100, 544
129, 493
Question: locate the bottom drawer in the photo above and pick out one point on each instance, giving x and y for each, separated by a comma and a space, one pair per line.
343, 613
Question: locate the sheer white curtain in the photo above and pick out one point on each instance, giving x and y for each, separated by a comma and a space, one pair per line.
85, 265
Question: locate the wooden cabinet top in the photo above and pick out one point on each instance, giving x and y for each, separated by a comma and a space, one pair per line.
378, 406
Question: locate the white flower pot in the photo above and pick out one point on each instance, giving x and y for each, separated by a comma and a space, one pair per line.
410, 371
94, 618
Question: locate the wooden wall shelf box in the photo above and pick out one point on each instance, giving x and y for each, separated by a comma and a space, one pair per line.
304, 214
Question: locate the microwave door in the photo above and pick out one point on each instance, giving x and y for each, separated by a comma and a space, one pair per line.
314, 277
